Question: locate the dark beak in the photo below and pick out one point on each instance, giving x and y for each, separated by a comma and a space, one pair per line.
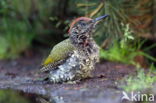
100, 18
95, 21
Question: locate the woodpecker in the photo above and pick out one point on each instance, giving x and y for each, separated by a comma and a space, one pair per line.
74, 58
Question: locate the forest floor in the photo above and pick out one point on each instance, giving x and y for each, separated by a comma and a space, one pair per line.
101, 88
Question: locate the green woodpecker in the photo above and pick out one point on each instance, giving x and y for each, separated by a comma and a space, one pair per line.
75, 57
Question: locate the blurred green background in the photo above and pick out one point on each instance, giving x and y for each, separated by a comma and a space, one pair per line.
128, 36
45, 22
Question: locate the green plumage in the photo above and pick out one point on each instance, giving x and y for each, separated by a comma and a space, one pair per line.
59, 52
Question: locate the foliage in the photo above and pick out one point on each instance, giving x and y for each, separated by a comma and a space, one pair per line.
120, 50
127, 35
141, 81
125, 54
8, 96
126, 49
133, 12
21, 22
48, 26
15, 38
152, 67
116, 53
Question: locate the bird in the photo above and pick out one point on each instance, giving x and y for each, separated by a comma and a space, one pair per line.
75, 57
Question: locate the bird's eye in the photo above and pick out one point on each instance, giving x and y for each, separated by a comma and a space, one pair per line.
83, 24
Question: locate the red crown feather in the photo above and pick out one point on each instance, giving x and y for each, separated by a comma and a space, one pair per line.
76, 20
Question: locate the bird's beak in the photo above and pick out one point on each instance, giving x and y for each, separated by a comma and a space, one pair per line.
98, 19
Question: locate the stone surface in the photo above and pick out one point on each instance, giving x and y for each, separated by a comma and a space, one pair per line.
101, 88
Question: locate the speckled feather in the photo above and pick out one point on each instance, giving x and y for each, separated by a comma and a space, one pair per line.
82, 53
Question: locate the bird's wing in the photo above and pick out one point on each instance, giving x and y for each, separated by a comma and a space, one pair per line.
59, 53
51, 66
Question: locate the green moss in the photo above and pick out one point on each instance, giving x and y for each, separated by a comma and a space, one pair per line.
140, 82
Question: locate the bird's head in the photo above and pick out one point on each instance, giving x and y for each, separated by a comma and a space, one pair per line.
84, 25
81, 29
